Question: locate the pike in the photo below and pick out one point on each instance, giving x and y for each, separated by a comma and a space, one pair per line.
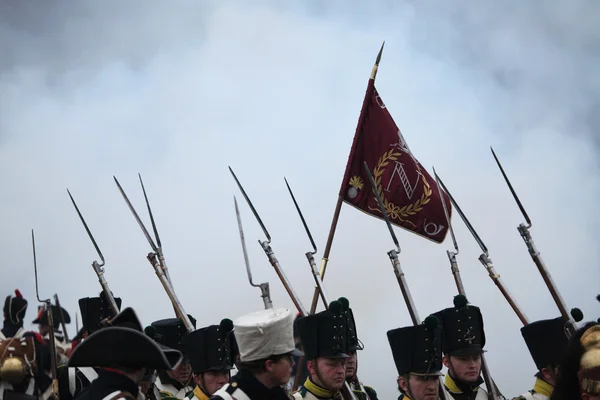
62, 318
264, 287
492, 387
485, 259
317, 276
98, 267
570, 326
393, 255
48, 308
266, 246
156, 257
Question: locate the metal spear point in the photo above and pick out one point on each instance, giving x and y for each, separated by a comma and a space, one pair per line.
264, 287
269, 251
98, 267
523, 229
48, 309
484, 257
310, 255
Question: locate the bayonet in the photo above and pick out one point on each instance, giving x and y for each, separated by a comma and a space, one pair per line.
264, 287
493, 389
484, 258
156, 257
393, 255
98, 267
77, 322
523, 229
269, 251
48, 309
310, 255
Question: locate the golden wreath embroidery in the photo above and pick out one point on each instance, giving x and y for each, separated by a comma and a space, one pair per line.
394, 211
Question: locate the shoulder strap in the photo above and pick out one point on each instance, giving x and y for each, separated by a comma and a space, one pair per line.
297, 396
72, 383
89, 372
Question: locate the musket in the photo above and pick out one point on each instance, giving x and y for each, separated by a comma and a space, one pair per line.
265, 292
156, 258
98, 267
76, 322
485, 259
62, 318
310, 256
48, 309
492, 387
393, 255
346, 392
523, 229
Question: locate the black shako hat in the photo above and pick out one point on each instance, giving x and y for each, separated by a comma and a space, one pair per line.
94, 310
354, 343
169, 332
211, 348
57, 316
123, 344
462, 328
546, 341
324, 334
418, 349
15, 308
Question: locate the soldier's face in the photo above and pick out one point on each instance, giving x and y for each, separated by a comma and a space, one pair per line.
420, 387
211, 381
351, 363
464, 368
280, 371
182, 373
329, 373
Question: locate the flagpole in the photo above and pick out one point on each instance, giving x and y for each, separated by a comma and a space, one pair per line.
340, 200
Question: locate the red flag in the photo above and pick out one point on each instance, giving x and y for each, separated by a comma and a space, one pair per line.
410, 195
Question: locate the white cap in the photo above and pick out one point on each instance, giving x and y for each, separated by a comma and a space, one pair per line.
265, 333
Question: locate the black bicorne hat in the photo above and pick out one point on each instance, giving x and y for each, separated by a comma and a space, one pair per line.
324, 334
57, 316
169, 332
15, 308
462, 328
546, 341
94, 310
418, 349
123, 344
211, 348
354, 343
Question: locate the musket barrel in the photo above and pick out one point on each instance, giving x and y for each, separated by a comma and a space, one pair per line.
53, 358
284, 280
109, 296
412, 309
487, 263
537, 259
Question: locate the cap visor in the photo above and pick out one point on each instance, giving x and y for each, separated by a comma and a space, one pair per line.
296, 353
438, 373
467, 352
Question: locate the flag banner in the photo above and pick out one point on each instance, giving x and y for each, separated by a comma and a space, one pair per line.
410, 195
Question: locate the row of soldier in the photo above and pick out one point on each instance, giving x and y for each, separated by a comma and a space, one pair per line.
113, 358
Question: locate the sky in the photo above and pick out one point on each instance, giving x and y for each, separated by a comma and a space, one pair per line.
180, 91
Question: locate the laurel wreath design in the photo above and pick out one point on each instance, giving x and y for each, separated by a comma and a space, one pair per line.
391, 209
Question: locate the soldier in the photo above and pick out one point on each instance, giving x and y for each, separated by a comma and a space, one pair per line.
123, 352
546, 341
265, 340
324, 341
589, 364
354, 344
463, 339
176, 383
62, 347
417, 352
24, 357
95, 311
14, 313
211, 354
